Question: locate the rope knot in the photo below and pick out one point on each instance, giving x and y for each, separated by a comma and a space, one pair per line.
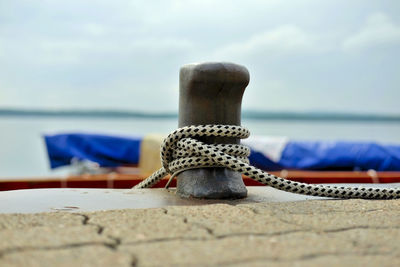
180, 150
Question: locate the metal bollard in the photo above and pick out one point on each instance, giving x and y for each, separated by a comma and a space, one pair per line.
211, 93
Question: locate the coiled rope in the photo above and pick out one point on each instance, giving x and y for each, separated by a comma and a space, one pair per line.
180, 151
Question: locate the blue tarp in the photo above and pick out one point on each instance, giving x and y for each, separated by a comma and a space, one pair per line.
112, 151
327, 155
106, 150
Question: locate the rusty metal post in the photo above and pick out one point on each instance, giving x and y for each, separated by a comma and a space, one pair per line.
211, 93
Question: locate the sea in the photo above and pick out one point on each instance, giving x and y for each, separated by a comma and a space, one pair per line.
23, 153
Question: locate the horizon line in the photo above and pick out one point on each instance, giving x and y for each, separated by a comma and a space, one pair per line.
246, 114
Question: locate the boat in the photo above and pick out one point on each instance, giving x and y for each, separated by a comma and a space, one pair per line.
112, 161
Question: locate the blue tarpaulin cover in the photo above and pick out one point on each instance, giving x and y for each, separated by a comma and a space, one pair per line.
112, 151
106, 150
310, 155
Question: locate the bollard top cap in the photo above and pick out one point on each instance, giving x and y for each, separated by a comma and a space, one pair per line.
215, 72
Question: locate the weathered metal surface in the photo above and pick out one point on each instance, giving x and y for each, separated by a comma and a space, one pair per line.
211, 93
78, 200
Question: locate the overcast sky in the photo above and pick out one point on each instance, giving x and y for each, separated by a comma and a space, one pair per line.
309, 55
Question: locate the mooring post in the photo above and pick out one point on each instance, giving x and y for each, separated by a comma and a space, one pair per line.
211, 93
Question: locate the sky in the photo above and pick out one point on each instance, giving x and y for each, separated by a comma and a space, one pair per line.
306, 55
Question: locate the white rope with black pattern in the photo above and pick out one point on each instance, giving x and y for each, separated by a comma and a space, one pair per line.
181, 151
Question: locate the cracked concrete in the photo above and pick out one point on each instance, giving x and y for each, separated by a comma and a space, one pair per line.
304, 233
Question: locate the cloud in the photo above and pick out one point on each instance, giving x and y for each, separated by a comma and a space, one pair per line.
94, 29
127, 54
378, 30
67, 52
286, 39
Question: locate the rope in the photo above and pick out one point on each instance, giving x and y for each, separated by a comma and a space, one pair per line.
180, 151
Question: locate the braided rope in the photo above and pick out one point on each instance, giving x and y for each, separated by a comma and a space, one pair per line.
181, 151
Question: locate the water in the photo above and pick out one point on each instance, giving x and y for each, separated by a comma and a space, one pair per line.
23, 153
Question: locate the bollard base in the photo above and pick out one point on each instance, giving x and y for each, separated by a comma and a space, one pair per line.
211, 183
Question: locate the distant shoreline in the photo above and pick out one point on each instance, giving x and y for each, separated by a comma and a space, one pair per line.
247, 114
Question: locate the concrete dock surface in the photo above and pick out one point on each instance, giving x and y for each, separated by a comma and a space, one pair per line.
305, 232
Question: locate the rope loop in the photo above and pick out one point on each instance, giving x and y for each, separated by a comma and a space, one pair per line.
181, 151
170, 143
